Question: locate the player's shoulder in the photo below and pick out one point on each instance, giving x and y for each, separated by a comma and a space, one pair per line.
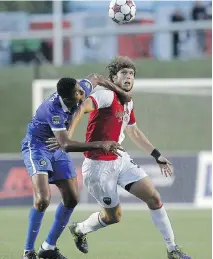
53, 99
52, 103
102, 92
101, 89
102, 97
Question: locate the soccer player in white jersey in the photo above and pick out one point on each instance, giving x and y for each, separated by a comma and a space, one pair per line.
102, 171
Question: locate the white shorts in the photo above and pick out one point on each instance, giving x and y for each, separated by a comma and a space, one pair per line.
102, 177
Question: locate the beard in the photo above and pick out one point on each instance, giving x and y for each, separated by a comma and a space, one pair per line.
126, 88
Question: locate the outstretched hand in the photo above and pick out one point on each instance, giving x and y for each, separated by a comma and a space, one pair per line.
165, 166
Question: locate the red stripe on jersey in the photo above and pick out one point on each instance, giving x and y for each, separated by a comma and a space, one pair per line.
132, 119
105, 125
94, 101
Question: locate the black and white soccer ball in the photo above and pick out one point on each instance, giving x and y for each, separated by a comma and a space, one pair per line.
122, 11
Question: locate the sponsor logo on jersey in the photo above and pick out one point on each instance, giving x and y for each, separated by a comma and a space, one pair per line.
122, 115
56, 119
107, 200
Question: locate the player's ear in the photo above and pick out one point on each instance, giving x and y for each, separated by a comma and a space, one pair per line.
114, 78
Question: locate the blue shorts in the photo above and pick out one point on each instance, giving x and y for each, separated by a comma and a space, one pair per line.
37, 159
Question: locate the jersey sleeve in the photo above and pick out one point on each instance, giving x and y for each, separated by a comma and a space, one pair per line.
102, 98
132, 120
56, 120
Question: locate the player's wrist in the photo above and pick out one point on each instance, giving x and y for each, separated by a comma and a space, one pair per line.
97, 144
156, 154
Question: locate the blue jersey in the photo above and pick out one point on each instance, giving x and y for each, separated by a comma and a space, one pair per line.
52, 115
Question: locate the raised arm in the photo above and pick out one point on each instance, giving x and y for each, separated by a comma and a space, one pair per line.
86, 107
97, 100
97, 79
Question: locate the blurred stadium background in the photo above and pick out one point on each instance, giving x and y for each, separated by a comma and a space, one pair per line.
171, 43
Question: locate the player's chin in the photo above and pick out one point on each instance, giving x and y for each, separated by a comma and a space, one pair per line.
83, 97
127, 88
82, 100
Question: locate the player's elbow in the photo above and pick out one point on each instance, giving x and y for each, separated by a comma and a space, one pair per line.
65, 147
133, 135
132, 129
70, 147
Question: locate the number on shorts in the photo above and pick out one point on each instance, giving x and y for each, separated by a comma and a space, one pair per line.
133, 162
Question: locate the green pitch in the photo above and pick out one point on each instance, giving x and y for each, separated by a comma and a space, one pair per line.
133, 238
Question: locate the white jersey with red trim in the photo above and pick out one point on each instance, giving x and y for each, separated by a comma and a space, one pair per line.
108, 121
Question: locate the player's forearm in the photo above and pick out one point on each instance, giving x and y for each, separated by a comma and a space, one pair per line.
141, 141
86, 107
74, 146
109, 85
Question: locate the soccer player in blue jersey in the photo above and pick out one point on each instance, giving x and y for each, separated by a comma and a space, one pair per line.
46, 167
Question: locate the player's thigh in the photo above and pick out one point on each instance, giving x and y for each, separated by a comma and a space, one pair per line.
144, 190
36, 160
130, 172
63, 167
69, 191
100, 177
135, 180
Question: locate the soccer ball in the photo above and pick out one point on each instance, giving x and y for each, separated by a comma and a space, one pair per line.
122, 11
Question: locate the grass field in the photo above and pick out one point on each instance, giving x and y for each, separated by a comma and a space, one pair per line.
134, 238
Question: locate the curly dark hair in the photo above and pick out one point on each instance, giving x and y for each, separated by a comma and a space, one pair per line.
66, 86
119, 63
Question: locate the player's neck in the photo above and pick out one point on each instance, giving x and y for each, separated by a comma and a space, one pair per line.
70, 106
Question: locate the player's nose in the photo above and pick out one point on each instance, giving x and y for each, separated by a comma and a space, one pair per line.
128, 76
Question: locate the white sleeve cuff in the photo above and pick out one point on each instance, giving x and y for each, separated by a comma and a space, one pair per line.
58, 129
130, 125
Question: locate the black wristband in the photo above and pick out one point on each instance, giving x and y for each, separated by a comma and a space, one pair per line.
156, 154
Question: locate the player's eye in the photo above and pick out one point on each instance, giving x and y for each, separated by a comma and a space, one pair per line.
81, 92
